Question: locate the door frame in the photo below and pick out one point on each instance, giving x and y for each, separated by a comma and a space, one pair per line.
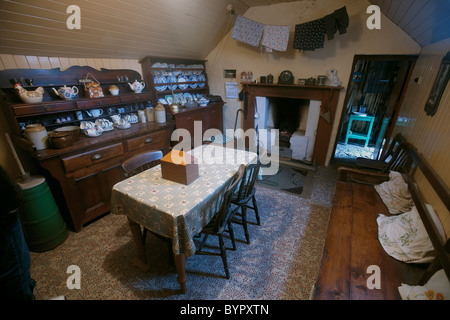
411, 59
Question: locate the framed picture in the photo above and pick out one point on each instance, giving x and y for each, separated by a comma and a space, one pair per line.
229, 73
439, 86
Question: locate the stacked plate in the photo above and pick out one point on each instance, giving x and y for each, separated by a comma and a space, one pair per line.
173, 79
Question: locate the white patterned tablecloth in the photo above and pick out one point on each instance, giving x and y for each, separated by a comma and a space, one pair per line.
175, 210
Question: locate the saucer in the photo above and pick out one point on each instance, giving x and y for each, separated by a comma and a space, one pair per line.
124, 126
110, 128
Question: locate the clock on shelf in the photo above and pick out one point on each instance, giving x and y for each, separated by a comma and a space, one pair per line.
286, 77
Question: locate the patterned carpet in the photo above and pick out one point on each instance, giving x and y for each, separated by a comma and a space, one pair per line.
281, 262
287, 179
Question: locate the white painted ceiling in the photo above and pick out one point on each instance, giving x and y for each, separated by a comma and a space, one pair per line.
134, 29
426, 21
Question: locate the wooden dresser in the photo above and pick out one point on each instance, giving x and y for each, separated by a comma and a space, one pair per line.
81, 176
188, 78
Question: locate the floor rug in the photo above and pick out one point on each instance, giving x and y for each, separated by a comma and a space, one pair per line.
288, 179
281, 262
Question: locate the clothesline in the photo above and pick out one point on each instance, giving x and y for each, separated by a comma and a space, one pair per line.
307, 36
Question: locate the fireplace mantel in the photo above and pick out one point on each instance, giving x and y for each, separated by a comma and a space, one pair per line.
327, 95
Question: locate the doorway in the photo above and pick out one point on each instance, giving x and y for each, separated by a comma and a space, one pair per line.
376, 89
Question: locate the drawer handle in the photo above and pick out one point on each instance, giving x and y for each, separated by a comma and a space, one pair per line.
148, 140
96, 156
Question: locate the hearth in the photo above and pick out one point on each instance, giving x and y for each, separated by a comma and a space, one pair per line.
323, 102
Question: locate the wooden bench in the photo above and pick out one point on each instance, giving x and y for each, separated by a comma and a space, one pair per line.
352, 244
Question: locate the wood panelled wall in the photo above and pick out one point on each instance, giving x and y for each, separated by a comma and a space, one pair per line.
429, 134
9, 61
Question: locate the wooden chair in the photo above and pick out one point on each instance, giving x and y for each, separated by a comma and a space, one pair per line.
221, 205
137, 164
388, 158
371, 176
141, 162
242, 196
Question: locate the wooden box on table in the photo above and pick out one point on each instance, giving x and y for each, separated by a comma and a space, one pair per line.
179, 167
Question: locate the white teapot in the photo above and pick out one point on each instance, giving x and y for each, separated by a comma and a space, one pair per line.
137, 86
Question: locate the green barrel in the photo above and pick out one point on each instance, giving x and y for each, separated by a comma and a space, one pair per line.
43, 226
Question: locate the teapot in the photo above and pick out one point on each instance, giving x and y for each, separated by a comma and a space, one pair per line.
66, 92
137, 86
30, 96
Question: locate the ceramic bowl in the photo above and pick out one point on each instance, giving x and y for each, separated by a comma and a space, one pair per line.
61, 139
74, 130
191, 104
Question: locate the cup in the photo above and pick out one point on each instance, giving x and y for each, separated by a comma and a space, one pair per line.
79, 115
115, 118
84, 125
96, 112
123, 123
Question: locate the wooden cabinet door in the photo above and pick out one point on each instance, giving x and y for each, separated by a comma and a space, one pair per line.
94, 191
188, 122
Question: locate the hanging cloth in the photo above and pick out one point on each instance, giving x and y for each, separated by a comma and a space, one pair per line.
275, 38
248, 31
336, 21
310, 35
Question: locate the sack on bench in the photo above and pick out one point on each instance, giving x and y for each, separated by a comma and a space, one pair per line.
395, 194
405, 238
437, 288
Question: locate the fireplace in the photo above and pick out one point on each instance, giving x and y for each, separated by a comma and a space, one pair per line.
322, 108
296, 121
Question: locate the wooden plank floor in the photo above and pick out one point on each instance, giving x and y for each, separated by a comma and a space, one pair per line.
352, 246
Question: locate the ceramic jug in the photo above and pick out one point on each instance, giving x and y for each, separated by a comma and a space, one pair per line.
37, 134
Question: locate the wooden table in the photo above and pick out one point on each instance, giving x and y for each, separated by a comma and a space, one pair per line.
174, 210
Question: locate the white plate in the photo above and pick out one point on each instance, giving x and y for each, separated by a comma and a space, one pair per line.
169, 99
188, 96
182, 79
158, 80
201, 77
172, 79
193, 78
162, 100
